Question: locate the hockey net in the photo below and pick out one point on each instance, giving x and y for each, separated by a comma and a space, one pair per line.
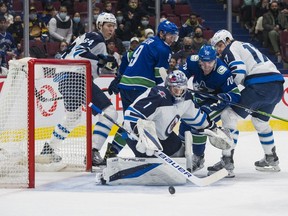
31, 105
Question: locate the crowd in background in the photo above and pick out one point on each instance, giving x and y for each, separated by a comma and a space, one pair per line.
54, 24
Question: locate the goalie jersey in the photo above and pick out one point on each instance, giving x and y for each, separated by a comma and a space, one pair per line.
158, 105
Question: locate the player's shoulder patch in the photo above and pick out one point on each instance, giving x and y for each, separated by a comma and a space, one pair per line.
194, 58
221, 70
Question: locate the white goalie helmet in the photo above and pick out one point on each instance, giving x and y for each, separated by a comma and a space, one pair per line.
105, 17
176, 83
221, 35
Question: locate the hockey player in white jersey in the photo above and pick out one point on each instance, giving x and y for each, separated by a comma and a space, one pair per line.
90, 46
165, 106
263, 89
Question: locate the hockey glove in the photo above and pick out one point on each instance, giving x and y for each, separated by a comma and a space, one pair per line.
113, 87
223, 101
104, 59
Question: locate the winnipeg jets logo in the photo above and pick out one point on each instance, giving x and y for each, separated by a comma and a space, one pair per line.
162, 93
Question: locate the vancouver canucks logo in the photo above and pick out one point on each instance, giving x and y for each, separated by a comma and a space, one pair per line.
162, 93
201, 87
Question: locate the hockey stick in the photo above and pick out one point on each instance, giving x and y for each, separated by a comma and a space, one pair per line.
247, 109
168, 160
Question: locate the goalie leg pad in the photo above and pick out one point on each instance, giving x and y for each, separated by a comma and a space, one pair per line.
140, 171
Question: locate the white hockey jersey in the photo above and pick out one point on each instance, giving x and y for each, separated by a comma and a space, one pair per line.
249, 65
87, 47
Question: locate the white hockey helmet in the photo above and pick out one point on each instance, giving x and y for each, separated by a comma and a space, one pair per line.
221, 35
105, 17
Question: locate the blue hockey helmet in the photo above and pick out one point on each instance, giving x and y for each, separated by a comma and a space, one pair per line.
207, 53
167, 27
176, 83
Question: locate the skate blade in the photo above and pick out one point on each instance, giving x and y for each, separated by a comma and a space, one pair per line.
268, 169
230, 174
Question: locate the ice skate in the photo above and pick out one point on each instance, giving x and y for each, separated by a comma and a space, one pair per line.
48, 155
197, 162
226, 162
96, 157
269, 163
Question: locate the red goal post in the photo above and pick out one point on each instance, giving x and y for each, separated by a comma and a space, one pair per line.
31, 106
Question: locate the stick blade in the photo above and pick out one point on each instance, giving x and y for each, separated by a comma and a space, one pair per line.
209, 179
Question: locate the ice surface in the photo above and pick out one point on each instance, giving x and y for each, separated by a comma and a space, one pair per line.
250, 193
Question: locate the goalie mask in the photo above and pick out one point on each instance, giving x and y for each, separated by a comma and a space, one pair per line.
176, 83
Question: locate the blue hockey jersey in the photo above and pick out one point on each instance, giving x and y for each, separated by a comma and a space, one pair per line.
220, 80
143, 69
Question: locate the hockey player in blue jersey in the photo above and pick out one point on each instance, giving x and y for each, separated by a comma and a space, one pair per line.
211, 75
90, 46
159, 109
142, 71
259, 76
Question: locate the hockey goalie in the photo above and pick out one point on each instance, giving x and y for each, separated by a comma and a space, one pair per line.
152, 117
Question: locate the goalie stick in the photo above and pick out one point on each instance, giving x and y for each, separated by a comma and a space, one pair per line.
248, 109
168, 160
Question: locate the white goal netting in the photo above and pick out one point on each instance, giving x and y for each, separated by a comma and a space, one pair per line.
36, 100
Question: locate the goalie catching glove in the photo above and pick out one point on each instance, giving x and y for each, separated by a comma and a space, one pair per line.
148, 142
218, 136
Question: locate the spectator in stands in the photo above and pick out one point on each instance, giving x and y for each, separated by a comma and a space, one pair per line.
37, 29
134, 42
4, 12
108, 7
185, 51
133, 13
246, 13
96, 11
78, 27
187, 29
148, 33
60, 26
124, 31
283, 19
271, 28
260, 9
7, 43
119, 44
47, 14
173, 64
142, 27
198, 40
17, 29
111, 50
62, 48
